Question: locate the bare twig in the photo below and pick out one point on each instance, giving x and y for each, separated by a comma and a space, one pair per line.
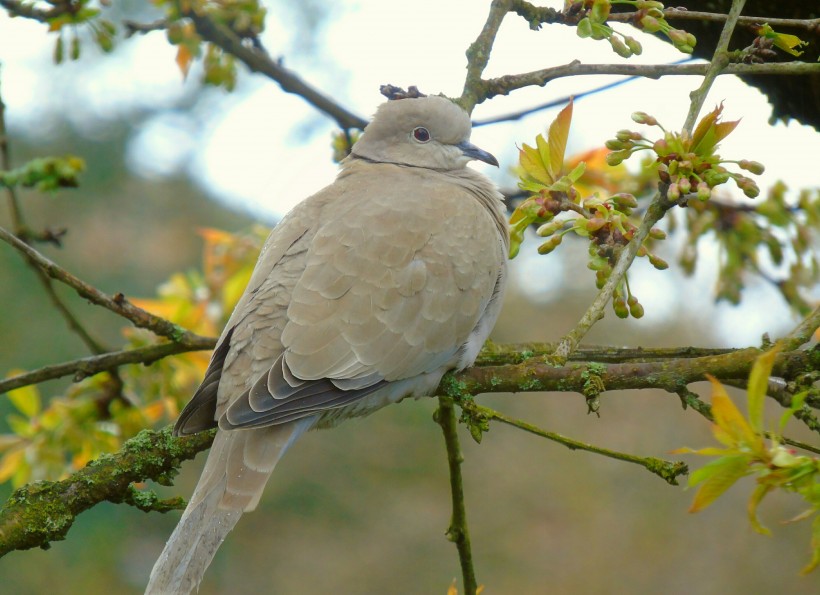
117, 304
505, 84
669, 471
88, 366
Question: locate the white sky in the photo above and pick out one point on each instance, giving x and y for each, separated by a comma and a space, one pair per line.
266, 150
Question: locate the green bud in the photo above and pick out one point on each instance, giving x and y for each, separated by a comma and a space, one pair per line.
684, 185
614, 144
617, 157
657, 234
622, 199
550, 245
619, 305
673, 192
658, 263
672, 168
650, 24
633, 45
648, 4
704, 192
600, 279
75, 48
691, 41
620, 47
755, 167
644, 118
550, 228
636, 310
625, 135
677, 37
686, 49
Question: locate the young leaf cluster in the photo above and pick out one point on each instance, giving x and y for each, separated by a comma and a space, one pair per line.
687, 164
745, 451
562, 203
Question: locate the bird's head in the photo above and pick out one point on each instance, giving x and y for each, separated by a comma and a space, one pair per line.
431, 132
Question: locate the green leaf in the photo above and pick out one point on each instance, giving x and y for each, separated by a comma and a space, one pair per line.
716, 477
754, 501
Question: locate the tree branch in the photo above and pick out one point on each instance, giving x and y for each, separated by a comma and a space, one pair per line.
505, 84
89, 366
42, 512
258, 61
478, 55
25, 520
458, 531
117, 304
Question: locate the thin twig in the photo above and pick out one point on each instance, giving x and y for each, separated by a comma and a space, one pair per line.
88, 366
503, 85
719, 62
458, 531
669, 471
117, 304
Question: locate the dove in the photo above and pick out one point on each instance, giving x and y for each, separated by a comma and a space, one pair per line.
366, 293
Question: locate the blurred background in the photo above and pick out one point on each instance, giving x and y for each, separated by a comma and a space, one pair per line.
363, 508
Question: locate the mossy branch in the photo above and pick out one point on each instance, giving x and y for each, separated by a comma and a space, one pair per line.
42, 512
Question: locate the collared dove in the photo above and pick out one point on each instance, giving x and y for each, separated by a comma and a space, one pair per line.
365, 293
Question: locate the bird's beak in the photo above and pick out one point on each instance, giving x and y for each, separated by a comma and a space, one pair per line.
473, 152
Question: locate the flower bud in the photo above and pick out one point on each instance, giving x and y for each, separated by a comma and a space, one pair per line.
644, 118
673, 192
619, 46
704, 192
550, 245
633, 45
684, 185
619, 305
755, 167
650, 24
657, 234
658, 263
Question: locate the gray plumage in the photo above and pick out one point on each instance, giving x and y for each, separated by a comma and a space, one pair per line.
364, 294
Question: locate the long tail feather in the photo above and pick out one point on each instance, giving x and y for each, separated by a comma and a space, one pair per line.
238, 467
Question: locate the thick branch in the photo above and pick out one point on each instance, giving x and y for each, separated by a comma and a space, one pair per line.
43, 512
478, 54
152, 455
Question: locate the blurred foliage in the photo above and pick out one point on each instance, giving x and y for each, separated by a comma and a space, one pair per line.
49, 440
745, 452
48, 173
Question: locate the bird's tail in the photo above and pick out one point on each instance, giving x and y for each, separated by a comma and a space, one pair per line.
238, 467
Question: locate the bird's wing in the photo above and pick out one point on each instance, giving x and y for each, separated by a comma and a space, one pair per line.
393, 283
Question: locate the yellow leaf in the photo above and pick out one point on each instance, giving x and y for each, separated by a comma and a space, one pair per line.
25, 399
530, 160
729, 419
557, 136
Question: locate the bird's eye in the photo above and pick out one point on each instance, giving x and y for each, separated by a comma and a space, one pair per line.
421, 134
